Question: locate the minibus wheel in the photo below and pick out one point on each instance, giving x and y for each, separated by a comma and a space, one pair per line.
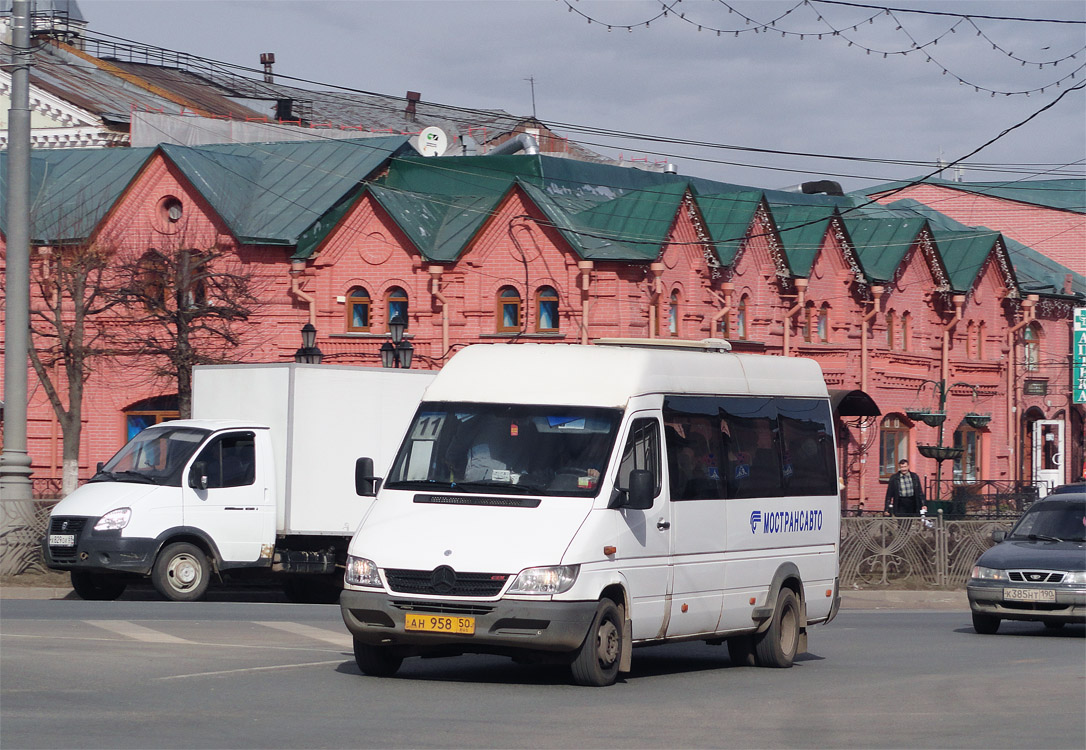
597, 660
181, 572
776, 646
97, 587
376, 661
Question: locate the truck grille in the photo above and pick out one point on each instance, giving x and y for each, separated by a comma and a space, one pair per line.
444, 581
65, 525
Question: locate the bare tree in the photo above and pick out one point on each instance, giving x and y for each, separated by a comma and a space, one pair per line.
185, 307
67, 334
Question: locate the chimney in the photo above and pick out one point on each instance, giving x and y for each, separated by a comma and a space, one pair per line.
412, 99
267, 59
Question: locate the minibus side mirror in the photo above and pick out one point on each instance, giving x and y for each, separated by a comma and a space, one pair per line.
639, 495
365, 483
999, 535
198, 475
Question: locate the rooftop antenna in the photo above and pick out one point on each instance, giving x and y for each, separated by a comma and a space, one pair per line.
531, 82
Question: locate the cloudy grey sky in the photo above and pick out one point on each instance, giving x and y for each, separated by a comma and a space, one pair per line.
770, 90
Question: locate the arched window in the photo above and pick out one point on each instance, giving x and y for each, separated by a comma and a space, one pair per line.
741, 320
358, 309
906, 331
673, 314
397, 304
546, 300
966, 465
823, 326
508, 313
891, 330
1031, 350
151, 280
893, 444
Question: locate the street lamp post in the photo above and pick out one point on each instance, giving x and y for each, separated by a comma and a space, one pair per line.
397, 353
309, 354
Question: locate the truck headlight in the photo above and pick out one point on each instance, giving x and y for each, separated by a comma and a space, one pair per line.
362, 572
115, 520
556, 579
980, 573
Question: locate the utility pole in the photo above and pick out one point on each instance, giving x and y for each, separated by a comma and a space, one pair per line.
14, 460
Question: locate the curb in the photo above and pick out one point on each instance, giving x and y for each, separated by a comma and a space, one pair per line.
857, 599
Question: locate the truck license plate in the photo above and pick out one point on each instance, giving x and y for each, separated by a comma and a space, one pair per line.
1029, 595
62, 540
440, 624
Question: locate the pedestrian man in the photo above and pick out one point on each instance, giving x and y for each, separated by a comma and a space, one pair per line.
904, 493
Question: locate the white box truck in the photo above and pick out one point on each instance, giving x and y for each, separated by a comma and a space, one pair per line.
261, 479
567, 503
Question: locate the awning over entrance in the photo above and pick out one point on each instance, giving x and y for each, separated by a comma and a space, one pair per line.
855, 403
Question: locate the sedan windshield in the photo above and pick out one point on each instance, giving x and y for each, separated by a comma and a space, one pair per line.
1053, 521
155, 456
508, 449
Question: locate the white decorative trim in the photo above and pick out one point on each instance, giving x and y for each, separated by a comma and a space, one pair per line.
86, 137
52, 106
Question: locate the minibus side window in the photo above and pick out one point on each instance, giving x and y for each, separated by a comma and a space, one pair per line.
697, 457
808, 463
642, 451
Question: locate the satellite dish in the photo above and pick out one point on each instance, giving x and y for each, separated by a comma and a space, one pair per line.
433, 142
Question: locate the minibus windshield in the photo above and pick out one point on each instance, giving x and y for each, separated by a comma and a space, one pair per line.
155, 456
506, 449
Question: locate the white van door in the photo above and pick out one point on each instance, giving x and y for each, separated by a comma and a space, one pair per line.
644, 536
231, 510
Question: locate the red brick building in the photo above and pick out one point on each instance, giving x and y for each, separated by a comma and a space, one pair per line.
923, 315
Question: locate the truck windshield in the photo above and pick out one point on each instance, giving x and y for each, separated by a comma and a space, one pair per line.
155, 456
505, 448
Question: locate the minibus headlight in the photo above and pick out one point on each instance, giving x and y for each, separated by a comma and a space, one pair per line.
552, 580
361, 572
981, 573
115, 520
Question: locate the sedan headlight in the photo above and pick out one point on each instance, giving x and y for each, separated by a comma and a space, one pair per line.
115, 520
1076, 578
981, 573
552, 580
362, 572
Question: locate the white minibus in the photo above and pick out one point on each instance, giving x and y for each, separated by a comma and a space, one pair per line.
571, 502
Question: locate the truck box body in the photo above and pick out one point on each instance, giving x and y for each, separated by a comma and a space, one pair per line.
322, 417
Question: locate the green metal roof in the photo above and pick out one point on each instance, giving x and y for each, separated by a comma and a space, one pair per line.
72, 189
1063, 195
964, 253
881, 243
728, 217
801, 229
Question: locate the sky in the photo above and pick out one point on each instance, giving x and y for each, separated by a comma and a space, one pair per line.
765, 92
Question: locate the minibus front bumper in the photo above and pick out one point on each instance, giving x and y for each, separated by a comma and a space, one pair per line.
376, 618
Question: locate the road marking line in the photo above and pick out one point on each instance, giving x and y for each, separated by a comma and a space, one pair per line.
250, 669
135, 632
343, 640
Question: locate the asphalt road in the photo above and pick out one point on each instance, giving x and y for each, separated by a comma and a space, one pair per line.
153, 674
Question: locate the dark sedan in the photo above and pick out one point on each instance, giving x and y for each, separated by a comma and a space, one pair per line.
1036, 572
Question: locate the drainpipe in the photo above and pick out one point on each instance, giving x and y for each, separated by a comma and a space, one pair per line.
656, 287
801, 300
584, 269
297, 269
876, 295
1028, 316
959, 301
435, 290
728, 288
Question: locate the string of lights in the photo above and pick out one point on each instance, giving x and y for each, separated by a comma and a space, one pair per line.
828, 30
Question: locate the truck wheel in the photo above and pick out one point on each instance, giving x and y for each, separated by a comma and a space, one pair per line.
97, 587
741, 650
181, 572
596, 661
376, 661
985, 624
776, 646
